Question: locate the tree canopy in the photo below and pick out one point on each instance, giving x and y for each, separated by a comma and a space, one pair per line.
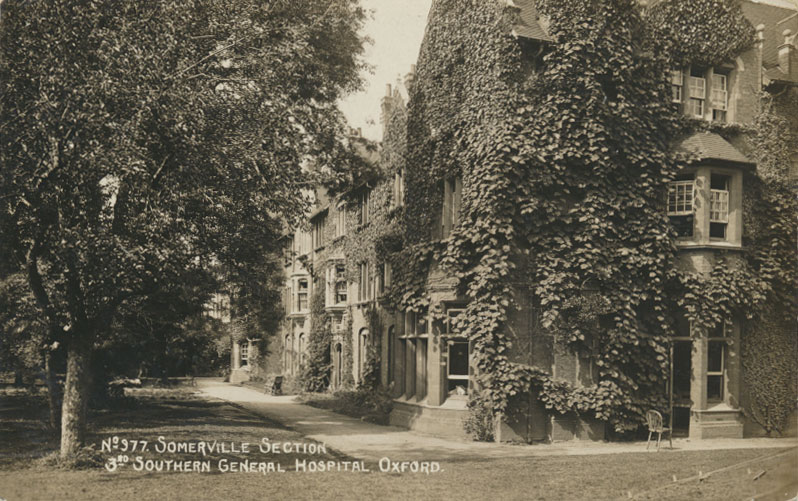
142, 140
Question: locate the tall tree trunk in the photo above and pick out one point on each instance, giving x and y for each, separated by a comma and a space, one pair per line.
76, 393
53, 391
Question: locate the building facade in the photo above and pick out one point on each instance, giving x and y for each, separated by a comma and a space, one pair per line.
424, 361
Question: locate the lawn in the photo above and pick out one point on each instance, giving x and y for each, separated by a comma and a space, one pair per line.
182, 417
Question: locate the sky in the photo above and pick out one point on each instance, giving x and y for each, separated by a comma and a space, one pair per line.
397, 28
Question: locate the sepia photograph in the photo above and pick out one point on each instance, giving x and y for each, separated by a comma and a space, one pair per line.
398, 249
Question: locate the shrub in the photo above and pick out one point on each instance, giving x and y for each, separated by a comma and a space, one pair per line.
479, 422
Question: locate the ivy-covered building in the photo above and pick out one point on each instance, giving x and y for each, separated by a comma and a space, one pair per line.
561, 302
583, 212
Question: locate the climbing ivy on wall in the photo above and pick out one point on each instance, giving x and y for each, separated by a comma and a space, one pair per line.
315, 375
701, 32
770, 340
563, 172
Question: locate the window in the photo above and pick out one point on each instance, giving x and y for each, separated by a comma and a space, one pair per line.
698, 94
457, 368
301, 349
302, 295
718, 206
340, 292
681, 198
363, 339
365, 283
716, 363
383, 278
681, 195
399, 188
452, 192
287, 354
390, 354
244, 353
719, 97
363, 205
340, 221
415, 323
339, 365
318, 231
457, 354
677, 86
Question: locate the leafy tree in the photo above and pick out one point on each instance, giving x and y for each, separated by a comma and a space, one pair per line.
140, 141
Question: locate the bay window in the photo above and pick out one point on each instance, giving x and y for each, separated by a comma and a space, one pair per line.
681, 201
718, 206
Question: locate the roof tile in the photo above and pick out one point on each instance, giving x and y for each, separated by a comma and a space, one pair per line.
710, 146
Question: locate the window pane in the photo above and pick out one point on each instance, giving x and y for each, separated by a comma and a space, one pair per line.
715, 356
715, 387
458, 359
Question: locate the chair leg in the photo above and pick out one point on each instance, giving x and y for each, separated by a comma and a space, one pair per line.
659, 437
670, 438
649, 440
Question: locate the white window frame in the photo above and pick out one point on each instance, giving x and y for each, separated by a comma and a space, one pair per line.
720, 94
302, 291
677, 86
244, 353
719, 206
698, 96
679, 206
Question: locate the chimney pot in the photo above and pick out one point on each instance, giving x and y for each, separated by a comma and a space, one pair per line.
787, 53
387, 90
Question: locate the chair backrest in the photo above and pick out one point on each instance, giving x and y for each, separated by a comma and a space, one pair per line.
654, 419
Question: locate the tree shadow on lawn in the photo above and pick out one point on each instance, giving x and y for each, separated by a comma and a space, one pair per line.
25, 435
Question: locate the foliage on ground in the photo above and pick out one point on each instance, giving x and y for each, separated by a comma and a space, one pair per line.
372, 405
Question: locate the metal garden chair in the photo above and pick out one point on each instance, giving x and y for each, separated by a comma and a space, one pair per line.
654, 420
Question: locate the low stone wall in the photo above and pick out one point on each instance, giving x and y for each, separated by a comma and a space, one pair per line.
425, 419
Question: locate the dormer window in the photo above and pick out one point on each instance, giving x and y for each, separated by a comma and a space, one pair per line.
681, 202
720, 97
698, 93
677, 86
718, 206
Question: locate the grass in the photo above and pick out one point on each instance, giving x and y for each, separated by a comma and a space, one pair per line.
179, 415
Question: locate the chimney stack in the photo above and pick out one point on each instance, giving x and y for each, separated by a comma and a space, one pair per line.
410, 78
787, 53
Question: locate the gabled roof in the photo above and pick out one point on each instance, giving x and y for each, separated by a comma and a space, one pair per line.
710, 146
776, 17
530, 24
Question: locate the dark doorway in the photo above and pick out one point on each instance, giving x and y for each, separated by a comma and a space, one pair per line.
682, 378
